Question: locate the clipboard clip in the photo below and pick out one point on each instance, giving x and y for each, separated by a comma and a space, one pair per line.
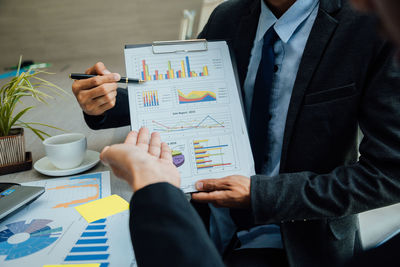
166, 47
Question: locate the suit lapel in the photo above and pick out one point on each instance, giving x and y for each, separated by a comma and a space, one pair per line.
321, 33
243, 41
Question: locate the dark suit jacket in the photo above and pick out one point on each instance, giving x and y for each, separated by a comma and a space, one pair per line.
166, 230
384, 255
342, 84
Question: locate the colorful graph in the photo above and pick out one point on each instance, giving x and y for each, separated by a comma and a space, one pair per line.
184, 71
208, 122
150, 99
91, 246
178, 158
84, 189
21, 239
210, 154
196, 96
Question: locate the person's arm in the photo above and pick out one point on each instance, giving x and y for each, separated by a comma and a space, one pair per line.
117, 116
372, 182
104, 105
167, 231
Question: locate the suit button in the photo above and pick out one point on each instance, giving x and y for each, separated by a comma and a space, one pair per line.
292, 221
305, 220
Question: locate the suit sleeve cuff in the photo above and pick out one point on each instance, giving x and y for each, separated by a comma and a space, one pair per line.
262, 199
95, 122
158, 194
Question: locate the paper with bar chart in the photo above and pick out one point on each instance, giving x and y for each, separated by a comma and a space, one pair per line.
192, 99
50, 231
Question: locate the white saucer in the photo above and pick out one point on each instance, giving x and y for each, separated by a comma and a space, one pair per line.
44, 165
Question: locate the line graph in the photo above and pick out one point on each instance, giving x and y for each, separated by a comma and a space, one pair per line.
206, 122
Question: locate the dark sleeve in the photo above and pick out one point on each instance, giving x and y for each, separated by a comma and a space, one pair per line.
372, 182
384, 255
204, 33
118, 116
166, 231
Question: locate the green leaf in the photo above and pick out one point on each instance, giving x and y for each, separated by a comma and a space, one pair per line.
35, 131
19, 65
46, 125
25, 84
19, 115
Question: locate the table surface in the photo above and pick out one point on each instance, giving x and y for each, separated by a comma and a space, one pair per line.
64, 112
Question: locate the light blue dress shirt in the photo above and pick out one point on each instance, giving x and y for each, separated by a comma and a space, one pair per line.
293, 29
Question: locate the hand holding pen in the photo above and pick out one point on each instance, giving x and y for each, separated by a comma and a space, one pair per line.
96, 94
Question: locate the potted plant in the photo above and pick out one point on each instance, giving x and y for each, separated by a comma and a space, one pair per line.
12, 142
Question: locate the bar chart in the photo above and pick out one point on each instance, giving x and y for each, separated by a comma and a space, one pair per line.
150, 98
173, 70
213, 153
91, 246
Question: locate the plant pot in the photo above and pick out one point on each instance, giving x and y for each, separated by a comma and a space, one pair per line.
12, 147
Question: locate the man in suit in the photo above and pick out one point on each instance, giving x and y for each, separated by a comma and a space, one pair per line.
330, 76
321, 185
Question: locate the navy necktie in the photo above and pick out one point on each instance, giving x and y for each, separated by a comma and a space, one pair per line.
259, 115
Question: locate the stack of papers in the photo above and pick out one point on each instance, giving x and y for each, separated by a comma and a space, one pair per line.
75, 221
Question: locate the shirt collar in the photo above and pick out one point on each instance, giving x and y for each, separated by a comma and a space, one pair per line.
286, 25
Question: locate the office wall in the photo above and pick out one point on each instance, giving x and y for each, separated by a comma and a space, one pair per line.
52, 30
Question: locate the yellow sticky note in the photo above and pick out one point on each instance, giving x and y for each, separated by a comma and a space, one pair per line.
102, 208
75, 265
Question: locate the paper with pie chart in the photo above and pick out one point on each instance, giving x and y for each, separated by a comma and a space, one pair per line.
192, 99
49, 231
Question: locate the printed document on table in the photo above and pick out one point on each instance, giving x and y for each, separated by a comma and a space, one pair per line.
49, 231
192, 99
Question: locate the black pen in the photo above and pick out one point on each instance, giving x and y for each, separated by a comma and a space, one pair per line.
80, 76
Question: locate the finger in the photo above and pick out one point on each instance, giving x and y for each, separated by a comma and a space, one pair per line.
103, 108
166, 152
99, 105
101, 90
206, 197
102, 158
98, 68
90, 104
116, 155
109, 154
143, 139
108, 98
212, 184
155, 145
131, 138
96, 81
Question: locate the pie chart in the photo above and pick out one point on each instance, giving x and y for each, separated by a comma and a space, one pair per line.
21, 239
178, 158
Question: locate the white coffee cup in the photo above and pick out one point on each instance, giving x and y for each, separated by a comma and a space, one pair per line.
66, 151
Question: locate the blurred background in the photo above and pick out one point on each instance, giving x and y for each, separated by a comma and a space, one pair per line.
68, 30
